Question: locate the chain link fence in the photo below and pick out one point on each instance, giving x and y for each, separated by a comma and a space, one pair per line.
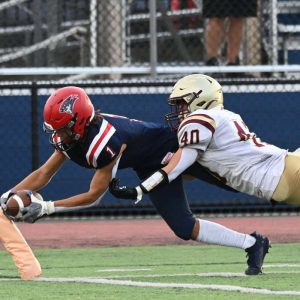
135, 33
270, 107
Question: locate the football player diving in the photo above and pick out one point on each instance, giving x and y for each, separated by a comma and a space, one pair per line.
106, 143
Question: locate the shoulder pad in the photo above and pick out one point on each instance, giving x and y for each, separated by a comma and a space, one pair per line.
196, 131
199, 119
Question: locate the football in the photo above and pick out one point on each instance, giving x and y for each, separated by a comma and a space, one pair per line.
16, 202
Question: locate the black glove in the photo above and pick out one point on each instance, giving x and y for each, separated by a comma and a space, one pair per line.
123, 191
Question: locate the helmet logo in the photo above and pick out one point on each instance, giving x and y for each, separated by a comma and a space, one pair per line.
68, 104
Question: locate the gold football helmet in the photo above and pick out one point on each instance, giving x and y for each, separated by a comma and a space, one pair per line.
192, 92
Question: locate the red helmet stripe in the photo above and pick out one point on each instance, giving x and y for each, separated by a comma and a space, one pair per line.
100, 140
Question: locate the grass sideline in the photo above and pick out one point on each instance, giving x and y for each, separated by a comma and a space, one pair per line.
158, 272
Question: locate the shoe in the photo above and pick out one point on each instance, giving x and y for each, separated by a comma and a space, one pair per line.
237, 75
234, 75
213, 61
256, 254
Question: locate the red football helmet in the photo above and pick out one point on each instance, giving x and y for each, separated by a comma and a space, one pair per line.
67, 113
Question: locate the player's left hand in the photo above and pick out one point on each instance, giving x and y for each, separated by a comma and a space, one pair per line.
124, 191
37, 209
3, 199
3, 203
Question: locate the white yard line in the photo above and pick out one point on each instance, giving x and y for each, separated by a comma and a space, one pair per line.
123, 270
212, 274
281, 265
230, 288
112, 280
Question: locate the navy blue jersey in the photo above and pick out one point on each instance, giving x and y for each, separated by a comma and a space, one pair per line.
148, 144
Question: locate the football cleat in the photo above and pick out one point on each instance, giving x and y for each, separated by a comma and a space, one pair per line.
256, 254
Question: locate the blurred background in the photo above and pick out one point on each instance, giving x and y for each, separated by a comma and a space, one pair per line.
145, 33
128, 54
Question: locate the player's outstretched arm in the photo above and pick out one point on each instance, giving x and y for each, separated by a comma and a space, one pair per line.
181, 160
38, 178
41, 177
135, 193
124, 192
98, 186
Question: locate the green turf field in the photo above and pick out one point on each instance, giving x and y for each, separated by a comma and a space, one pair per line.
160, 272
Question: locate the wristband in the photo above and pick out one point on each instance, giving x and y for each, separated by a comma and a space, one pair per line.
157, 179
50, 208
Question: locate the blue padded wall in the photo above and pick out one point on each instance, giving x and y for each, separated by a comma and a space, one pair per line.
272, 116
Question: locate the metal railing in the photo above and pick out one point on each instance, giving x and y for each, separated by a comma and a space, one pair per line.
85, 35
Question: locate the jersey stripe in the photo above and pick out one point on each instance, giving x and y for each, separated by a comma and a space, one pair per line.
98, 143
202, 119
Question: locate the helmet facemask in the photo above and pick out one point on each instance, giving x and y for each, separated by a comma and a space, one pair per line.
180, 109
63, 139
196, 91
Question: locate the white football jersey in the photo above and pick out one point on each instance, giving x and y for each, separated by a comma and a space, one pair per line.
231, 152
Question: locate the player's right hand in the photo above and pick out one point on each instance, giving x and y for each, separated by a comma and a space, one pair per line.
124, 191
37, 209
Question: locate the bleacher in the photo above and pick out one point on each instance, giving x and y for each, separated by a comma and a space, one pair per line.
42, 33
93, 33
180, 34
288, 26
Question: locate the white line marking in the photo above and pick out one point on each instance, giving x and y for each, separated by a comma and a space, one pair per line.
123, 270
281, 265
230, 288
220, 274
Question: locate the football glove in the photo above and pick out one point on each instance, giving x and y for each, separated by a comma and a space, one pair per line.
4, 197
124, 191
37, 209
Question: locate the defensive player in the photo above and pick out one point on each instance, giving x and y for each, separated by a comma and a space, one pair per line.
219, 140
105, 143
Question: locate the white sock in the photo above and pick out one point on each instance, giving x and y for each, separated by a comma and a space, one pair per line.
214, 233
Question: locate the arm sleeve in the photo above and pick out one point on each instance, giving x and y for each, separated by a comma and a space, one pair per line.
188, 157
160, 177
